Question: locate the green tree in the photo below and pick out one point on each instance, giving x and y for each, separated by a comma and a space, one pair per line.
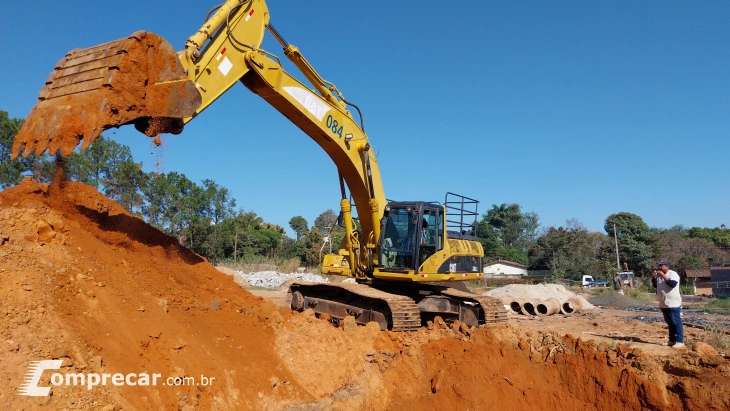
505, 232
13, 171
488, 236
293, 248
327, 221
125, 185
720, 237
218, 201
89, 166
249, 242
634, 240
515, 228
572, 251
313, 242
508, 220
299, 225
176, 205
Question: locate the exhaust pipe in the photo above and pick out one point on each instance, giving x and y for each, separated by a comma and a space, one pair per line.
548, 307
571, 306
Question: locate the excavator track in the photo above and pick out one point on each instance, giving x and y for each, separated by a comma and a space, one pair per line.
434, 299
494, 311
393, 308
390, 311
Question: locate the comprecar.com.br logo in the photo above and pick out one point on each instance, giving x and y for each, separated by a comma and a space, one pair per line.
30, 387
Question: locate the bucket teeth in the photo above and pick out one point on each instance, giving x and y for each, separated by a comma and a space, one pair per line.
137, 79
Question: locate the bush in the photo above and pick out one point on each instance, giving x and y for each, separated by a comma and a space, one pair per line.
639, 294
687, 290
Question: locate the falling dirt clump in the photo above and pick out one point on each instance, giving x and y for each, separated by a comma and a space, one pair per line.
83, 281
135, 79
159, 125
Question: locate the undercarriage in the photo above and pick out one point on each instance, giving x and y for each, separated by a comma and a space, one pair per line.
396, 307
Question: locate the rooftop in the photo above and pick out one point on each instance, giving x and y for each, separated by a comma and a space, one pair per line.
507, 262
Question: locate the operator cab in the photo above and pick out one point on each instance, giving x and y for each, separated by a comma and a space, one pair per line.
410, 233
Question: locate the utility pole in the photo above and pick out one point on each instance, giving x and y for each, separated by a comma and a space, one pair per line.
615, 238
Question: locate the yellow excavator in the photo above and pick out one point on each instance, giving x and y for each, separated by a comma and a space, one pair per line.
408, 258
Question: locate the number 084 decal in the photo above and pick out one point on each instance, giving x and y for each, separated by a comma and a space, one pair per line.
334, 125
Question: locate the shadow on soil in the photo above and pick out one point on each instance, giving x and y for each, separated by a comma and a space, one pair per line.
138, 230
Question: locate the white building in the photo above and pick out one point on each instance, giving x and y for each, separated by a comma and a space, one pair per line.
504, 268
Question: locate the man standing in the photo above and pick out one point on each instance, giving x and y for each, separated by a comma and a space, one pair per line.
666, 282
617, 286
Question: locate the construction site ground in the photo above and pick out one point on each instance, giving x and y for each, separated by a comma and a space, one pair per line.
600, 325
84, 282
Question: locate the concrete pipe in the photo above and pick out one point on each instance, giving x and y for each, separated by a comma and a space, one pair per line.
548, 307
529, 306
570, 306
516, 305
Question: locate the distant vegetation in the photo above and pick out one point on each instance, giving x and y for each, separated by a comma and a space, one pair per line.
204, 217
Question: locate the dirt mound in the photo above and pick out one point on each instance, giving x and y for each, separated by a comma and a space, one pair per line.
83, 281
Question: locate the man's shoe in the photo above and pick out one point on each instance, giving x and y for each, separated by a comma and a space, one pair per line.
669, 344
678, 345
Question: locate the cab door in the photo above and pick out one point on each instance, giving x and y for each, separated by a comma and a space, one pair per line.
428, 238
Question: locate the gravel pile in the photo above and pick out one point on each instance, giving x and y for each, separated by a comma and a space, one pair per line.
618, 300
537, 291
238, 279
273, 279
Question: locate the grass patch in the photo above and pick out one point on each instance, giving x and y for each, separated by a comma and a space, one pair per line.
721, 303
717, 337
639, 294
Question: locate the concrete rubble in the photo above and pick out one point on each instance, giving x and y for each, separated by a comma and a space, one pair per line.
274, 280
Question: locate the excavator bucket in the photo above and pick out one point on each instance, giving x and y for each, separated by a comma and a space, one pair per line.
135, 80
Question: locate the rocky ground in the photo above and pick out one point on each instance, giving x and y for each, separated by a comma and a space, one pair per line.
84, 282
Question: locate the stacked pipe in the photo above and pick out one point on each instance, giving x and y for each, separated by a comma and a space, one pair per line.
543, 308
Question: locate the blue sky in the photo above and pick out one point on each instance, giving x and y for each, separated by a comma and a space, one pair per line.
572, 109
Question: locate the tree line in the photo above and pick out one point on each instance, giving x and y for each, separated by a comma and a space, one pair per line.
572, 250
204, 217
